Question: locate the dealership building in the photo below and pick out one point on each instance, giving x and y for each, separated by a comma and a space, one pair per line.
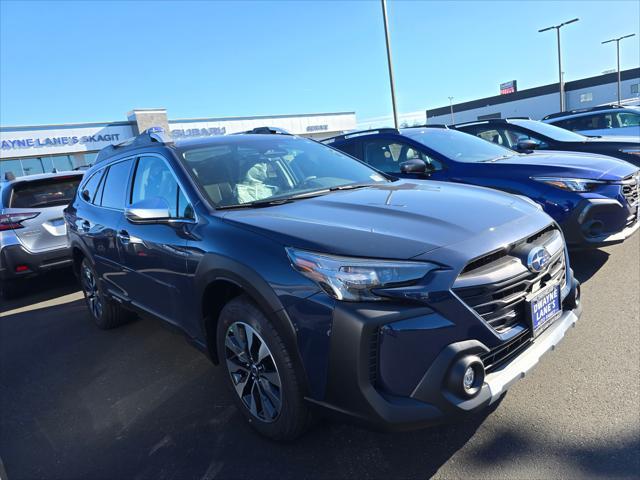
28, 150
538, 101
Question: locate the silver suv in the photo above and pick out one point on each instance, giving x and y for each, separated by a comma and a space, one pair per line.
32, 230
608, 120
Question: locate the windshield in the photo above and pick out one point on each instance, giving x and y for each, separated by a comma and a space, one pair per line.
551, 131
244, 169
458, 146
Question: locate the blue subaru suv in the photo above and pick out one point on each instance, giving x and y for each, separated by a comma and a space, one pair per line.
319, 283
595, 199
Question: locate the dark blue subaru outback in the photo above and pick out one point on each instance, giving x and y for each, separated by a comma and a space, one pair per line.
320, 283
595, 199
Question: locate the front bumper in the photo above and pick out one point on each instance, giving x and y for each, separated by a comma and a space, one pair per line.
13, 256
354, 391
600, 222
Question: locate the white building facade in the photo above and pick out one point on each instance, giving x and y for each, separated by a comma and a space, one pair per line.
27, 150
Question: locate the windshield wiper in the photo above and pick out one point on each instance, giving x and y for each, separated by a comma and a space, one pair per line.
275, 201
502, 157
350, 187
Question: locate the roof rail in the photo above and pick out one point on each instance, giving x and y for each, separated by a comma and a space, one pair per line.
582, 110
490, 120
265, 131
359, 133
152, 135
429, 125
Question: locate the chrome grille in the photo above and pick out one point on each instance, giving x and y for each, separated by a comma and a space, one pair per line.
497, 290
631, 189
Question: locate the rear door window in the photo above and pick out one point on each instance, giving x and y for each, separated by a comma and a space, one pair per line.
91, 186
52, 192
115, 185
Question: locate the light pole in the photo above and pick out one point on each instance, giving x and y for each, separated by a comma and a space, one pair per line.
617, 40
453, 120
393, 88
558, 27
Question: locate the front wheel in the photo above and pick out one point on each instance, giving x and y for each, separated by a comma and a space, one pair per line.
105, 313
260, 372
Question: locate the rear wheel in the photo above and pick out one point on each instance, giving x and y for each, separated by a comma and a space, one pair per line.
105, 312
260, 372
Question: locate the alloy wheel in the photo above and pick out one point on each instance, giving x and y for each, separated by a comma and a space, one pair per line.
253, 372
90, 287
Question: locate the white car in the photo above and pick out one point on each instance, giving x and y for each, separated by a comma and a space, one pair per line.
605, 121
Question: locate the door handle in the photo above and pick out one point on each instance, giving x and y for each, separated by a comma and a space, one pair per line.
85, 226
123, 236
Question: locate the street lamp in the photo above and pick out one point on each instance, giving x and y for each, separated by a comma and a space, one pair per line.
558, 27
453, 120
617, 40
393, 89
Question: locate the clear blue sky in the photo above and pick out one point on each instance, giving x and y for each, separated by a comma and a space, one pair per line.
94, 61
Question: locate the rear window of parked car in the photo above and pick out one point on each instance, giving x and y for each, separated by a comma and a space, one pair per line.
51, 192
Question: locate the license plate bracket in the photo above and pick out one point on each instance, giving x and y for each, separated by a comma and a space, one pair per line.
544, 307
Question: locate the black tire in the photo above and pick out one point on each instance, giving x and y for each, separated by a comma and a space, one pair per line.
105, 313
10, 289
293, 414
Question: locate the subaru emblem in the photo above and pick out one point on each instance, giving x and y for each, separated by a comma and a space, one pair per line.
537, 259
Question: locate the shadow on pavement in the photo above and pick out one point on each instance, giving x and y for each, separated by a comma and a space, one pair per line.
139, 402
611, 458
42, 288
585, 263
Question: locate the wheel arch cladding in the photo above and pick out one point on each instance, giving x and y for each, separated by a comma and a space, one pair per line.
220, 279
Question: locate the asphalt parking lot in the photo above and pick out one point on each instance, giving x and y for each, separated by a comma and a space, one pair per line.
139, 402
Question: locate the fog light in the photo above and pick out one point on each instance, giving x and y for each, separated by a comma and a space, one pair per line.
466, 376
469, 377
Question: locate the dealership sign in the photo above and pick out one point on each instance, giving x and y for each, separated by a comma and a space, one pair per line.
509, 87
21, 142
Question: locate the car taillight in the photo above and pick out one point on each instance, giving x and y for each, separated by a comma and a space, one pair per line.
13, 221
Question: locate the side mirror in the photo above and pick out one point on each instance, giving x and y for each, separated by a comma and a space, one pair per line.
150, 210
528, 144
86, 196
413, 166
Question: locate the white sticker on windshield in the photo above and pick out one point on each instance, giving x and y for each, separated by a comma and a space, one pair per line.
377, 177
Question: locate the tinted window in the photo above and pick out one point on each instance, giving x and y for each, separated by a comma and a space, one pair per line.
155, 180
458, 146
247, 168
628, 119
44, 193
91, 186
551, 131
115, 185
387, 155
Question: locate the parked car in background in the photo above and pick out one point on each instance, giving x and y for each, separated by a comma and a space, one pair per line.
525, 135
316, 280
33, 235
593, 198
608, 120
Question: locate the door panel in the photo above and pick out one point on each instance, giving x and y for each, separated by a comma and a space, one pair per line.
153, 257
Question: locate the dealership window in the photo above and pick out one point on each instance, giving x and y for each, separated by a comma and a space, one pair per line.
586, 97
34, 165
11, 165
635, 88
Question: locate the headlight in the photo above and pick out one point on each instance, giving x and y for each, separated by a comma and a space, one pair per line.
570, 184
353, 279
632, 151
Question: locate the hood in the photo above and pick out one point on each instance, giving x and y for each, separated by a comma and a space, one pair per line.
397, 220
572, 164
